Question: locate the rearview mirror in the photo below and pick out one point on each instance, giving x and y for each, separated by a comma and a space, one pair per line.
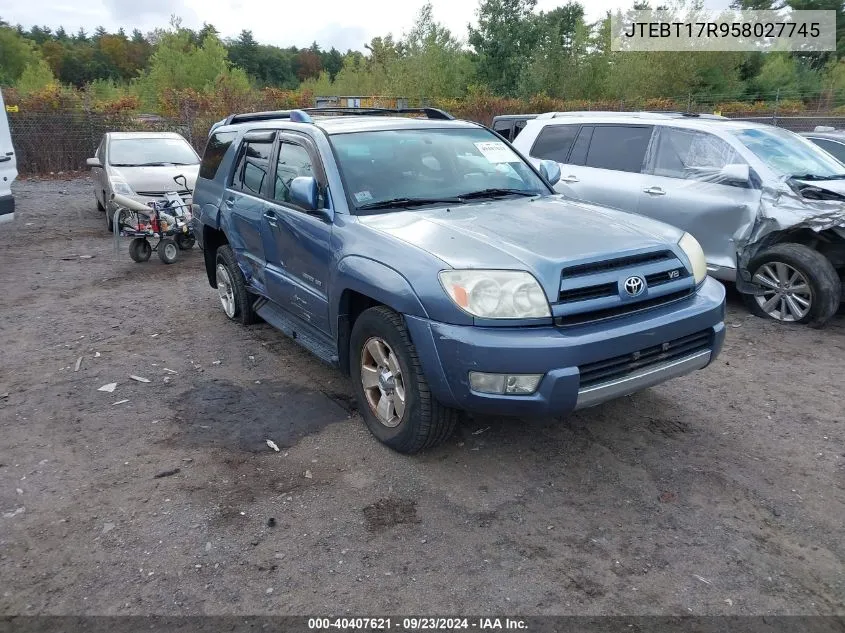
735, 173
303, 192
93, 162
550, 171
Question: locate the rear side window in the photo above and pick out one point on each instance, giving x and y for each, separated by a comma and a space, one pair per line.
619, 147
554, 142
692, 155
253, 166
214, 153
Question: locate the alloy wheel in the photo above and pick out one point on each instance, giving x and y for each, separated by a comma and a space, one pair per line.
383, 382
786, 294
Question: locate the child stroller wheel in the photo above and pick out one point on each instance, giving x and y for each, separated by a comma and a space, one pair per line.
168, 251
140, 249
185, 242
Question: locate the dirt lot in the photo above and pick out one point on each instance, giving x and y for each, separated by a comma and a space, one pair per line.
718, 493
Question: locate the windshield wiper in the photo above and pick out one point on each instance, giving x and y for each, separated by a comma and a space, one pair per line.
395, 203
817, 177
494, 193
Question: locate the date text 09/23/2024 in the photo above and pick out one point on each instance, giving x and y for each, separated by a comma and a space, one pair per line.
416, 624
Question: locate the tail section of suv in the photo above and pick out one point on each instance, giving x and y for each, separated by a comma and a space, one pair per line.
765, 203
436, 267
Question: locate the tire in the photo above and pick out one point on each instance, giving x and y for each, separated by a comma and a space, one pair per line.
100, 206
109, 219
185, 242
168, 251
234, 290
810, 289
422, 422
140, 249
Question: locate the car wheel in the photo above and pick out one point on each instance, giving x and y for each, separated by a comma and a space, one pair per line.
393, 395
100, 206
231, 288
168, 251
109, 219
800, 285
140, 249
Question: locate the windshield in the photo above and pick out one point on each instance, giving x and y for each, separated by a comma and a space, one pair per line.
399, 168
790, 154
151, 151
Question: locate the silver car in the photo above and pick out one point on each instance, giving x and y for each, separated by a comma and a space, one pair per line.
141, 166
767, 205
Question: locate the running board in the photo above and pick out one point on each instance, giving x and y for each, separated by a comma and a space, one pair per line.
303, 333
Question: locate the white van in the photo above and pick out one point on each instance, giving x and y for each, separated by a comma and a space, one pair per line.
8, 167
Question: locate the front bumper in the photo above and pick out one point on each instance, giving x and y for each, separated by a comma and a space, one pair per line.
449, 352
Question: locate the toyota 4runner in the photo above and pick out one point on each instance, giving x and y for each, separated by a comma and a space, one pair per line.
432, 263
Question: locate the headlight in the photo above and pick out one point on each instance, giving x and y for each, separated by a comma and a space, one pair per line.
122, 187
496, 294
695, 255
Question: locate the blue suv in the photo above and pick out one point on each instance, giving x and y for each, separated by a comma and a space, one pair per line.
427, 259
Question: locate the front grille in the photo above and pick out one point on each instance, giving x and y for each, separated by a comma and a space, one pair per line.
616, 264
621, 366
620, 310
590, 292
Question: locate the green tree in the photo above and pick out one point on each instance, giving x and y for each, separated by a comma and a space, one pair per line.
35, 77
503, 42
432, 62
16, 54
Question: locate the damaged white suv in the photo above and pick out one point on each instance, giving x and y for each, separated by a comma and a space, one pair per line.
767, 205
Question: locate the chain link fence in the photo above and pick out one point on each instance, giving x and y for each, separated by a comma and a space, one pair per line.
52, 142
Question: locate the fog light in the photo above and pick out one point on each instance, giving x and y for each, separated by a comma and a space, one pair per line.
515, 384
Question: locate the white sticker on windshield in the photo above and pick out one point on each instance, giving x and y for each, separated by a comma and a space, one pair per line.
497, 152
363, 196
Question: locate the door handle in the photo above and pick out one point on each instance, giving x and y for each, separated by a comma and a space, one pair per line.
230, 202
569, 179
271, 218
654, 191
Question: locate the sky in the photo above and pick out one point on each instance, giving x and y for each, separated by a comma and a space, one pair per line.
343, 24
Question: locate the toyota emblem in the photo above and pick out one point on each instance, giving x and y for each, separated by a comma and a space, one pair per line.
634, 286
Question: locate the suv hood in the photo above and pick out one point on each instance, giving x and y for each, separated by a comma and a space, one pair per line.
155, 180
534, 234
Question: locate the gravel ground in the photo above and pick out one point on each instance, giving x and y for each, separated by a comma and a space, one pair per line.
717, 493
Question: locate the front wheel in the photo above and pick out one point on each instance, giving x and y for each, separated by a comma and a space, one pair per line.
800, 285
393, 395
140, 249
231, 287
168, 252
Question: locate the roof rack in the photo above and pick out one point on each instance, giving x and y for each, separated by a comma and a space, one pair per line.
635, 114
301, 115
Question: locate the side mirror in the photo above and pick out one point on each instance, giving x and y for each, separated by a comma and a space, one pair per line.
735, 173
303, 192
550, 170
93, 162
